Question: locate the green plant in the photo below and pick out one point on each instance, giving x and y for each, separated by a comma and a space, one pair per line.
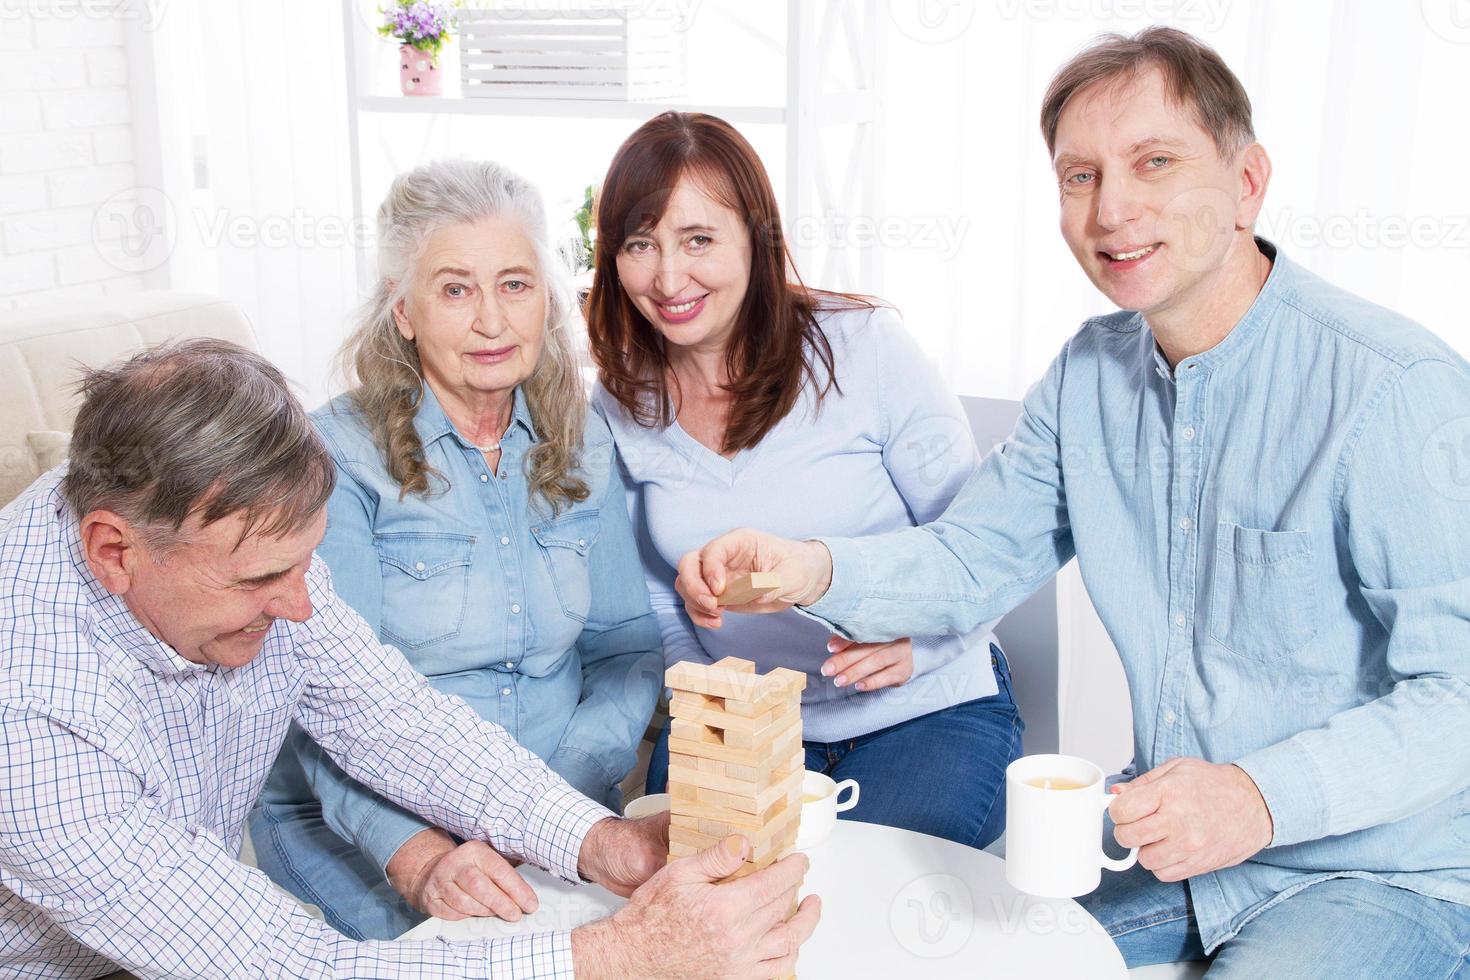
585, 228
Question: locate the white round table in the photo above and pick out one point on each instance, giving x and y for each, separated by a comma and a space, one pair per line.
894, 904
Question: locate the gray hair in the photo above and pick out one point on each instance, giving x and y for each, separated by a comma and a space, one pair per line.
197, 425
385, 366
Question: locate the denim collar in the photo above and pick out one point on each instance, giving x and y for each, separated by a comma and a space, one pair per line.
432, 424
1283, 275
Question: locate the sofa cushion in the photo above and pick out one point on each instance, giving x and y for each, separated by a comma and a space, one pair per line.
43, 349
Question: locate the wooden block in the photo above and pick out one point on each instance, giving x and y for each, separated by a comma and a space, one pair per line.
736, 664
754, 709
735, 819
707, 765
693, 731
752, 797
685, 739
727, 682
791, 681
747, 588
764, 730
754, 807
683, 707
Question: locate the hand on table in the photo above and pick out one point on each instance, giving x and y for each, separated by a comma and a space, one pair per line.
683, 924
622, 854
869, 666
805, 568
456, 882
1189, 817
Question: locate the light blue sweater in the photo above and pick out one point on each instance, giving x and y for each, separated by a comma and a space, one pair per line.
889, 452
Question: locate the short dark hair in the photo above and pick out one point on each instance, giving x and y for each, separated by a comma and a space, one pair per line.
1194, 74
197, 425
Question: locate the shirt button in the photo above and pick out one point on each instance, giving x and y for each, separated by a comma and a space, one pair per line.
484, 478
1179, 620
1188, 432
419, 565
505, 692
1185, 523
1168, 717
504, 539
515, 607
581, 542
510, 665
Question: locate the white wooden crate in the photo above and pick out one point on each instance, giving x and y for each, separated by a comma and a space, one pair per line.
578, 53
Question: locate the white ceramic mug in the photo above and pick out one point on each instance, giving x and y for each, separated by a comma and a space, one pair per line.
1054, 836
820, 815
646, 806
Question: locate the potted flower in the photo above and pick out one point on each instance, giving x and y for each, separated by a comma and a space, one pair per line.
421, 28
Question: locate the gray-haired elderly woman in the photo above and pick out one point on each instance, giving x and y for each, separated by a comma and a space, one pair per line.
479, 526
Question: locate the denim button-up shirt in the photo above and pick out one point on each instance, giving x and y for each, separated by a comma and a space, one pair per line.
540, 622
1276, 534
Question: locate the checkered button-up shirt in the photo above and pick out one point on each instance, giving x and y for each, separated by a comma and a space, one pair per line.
128, 772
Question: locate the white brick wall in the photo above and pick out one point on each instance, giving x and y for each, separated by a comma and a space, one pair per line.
66, 146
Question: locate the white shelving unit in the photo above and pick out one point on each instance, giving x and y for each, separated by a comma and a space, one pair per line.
826, 188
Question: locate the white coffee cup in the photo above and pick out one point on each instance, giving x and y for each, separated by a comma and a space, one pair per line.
646, 806
819, 816
1054, 836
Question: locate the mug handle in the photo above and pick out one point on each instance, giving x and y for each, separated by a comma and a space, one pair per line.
1116, 864
852, 800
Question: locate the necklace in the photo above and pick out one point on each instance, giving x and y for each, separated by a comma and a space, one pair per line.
494, 447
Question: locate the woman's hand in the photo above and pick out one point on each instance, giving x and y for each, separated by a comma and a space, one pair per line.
869, 666
453, 883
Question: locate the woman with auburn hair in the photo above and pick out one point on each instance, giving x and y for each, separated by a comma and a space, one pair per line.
737, 395
478, 525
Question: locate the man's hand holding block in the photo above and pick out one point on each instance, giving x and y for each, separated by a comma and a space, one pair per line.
748, 588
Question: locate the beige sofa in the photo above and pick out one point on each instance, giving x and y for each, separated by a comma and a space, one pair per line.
42, 349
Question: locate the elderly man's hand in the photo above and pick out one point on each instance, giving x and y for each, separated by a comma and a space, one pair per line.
622, 854
453, 883
681, 924
805, 568
1189, 817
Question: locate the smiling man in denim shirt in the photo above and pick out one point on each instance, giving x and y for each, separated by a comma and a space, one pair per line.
1266, 482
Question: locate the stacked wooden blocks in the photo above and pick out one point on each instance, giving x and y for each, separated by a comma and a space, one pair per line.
735, 759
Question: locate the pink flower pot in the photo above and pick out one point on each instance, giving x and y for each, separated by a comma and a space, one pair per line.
418, 71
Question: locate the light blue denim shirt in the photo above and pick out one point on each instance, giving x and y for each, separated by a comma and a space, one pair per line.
1276, 535
541, 623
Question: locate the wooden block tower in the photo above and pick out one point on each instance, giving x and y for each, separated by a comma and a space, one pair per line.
735, 759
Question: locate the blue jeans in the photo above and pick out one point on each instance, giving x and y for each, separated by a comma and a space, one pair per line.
307, 858
941, 774
1343, 927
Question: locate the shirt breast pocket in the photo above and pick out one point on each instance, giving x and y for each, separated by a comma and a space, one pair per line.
426, 579
1264, 597
564, 543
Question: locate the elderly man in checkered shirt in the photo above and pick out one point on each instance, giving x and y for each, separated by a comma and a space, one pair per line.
164, 621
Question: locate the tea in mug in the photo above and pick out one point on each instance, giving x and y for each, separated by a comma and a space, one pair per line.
1048, 782
812, 798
